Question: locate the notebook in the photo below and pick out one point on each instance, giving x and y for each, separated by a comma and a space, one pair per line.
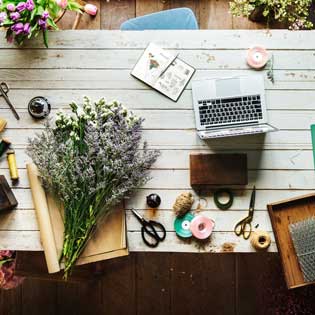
163, 71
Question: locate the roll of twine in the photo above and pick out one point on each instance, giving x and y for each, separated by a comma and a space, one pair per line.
260, 240
183, 203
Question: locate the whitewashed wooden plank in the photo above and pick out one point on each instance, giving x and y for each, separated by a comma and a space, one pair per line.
19, 220
202, 39
179, 159
179, 179
174, 119
264, 179
22, 240
173, 244
121, 79
30, 240
149, 99
25, 220
224, 220
126, 59
241, 198
175, 139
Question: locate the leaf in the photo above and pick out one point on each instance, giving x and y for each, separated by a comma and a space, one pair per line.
52, 24
45, 36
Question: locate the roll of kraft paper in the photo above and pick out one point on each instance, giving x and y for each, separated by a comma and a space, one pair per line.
43, 218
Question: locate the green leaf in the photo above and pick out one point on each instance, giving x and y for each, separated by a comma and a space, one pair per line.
52, 24
45, 36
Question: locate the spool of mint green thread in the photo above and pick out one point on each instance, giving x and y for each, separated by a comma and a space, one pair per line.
313, 141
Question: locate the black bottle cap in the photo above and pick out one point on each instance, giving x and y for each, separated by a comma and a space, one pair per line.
38, 107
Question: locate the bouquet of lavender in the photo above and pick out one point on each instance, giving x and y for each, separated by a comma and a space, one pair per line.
91, 159
24, 20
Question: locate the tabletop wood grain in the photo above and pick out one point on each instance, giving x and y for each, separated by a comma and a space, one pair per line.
98, 63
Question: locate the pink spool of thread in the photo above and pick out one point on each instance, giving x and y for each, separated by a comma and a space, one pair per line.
257, 57
201, 227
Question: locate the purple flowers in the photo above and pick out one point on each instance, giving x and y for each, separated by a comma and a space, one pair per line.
20, 28
3, 17
45, 15
21, 6
42, 24
15, 16
11, 7
29, 5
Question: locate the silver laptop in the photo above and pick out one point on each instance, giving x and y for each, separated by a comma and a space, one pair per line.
230, 106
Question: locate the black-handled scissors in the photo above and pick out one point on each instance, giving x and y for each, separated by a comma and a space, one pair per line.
244, 227
150, 229
4, 90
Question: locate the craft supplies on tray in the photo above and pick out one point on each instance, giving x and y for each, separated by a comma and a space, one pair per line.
284, 214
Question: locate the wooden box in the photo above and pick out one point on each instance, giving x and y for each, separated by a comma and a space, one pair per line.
218, 169
282, 214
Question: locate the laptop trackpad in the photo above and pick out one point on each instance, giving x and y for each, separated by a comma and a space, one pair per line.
228, 87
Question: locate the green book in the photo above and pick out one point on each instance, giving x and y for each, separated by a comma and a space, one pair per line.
313, 141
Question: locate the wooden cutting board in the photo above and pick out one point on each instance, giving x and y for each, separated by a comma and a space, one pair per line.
218, 169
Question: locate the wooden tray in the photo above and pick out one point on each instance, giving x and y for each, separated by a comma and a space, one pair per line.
282, 214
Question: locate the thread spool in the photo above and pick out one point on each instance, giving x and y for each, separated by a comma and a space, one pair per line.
12, 165
4, 146
260, 240
3, 124
257, 57
218, 196
201, 227
183, 203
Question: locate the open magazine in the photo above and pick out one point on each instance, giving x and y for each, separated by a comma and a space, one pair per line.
163, 71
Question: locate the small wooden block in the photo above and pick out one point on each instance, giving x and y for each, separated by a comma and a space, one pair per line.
7, 199
218, 169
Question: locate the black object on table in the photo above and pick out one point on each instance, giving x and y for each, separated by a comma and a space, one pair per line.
38, 107
7, 199
152, 229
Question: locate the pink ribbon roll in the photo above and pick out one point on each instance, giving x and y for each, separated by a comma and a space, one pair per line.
257, 57
201, 227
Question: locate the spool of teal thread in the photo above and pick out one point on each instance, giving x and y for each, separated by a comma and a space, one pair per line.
313, 141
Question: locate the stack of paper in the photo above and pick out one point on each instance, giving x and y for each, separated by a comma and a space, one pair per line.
109, 240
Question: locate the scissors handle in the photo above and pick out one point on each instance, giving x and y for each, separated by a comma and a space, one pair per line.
4, 87
4, 90
155, 231
244, 228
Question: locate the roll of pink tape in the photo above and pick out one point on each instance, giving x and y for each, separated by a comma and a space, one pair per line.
257, 57
201, 227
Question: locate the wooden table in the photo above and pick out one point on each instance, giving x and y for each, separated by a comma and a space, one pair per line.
98, 63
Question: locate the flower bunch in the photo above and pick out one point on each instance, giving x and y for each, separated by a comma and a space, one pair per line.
294, 13
90, 160
7, 266
26, 19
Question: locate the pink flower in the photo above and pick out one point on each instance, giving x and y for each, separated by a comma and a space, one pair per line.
17, 28
21, 6
27, 28
90, 9
11, 7
42, 24
62, 3
29, 5
45, 15
15, 16
3, 17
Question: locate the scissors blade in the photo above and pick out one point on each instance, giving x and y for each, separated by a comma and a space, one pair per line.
252, 199
137, 215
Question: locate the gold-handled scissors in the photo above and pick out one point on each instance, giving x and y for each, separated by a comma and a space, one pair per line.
4, 90
244, 227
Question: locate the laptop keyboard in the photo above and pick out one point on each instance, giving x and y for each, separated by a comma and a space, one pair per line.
229, 110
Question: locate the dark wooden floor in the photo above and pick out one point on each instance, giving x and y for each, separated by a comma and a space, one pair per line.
150, 284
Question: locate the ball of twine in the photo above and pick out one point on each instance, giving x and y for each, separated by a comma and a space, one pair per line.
260, 240
183, 203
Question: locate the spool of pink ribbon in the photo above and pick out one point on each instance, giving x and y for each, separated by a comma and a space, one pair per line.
201, 227
257, 57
